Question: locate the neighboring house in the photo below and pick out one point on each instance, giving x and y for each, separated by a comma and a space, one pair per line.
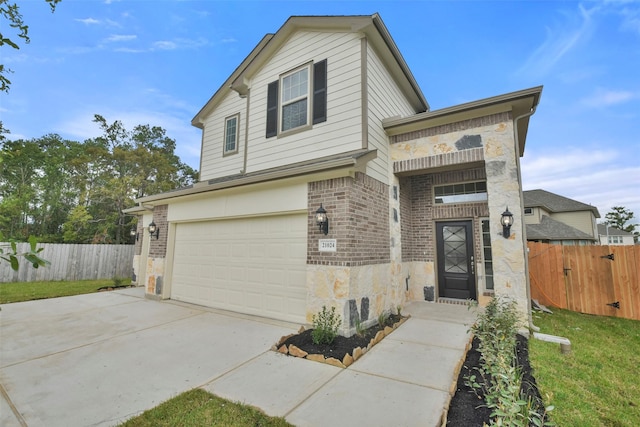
551, 218
612, 236
325, 113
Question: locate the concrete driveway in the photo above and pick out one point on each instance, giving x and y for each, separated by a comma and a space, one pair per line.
99, 359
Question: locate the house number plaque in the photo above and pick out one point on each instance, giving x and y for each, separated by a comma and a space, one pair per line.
327, 245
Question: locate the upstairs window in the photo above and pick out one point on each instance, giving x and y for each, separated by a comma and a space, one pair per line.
298, 99
461, 193
294, 95
231, 134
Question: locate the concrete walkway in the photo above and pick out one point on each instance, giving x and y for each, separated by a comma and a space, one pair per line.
99, 359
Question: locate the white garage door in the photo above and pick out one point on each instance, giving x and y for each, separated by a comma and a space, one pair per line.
251, 265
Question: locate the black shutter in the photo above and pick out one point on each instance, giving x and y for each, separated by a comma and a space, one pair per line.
320, 92
272, 109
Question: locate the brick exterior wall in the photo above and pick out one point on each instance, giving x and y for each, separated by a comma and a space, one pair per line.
358, 212
473, 155
419, 213
158, 247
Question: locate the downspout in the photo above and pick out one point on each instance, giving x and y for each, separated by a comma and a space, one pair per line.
524, 240
246, 133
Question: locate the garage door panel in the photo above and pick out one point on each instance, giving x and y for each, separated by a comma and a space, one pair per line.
252, 265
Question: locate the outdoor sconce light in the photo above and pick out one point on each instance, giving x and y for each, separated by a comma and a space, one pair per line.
506, 221
134, 232
322, 220
154, 230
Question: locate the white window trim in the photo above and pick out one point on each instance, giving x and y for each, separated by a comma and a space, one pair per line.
226, 152
308, 96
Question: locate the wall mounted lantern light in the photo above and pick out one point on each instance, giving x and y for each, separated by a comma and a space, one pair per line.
134, 232
154, 230
507, 222
322, 220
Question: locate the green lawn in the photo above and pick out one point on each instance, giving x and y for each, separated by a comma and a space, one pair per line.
598, 384
27, 291
199, 408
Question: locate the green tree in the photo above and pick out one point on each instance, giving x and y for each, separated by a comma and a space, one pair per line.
75, 192
620, 217
11, 13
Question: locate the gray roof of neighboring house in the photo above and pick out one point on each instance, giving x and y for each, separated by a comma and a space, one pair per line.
612, 231
555, 203
550, 229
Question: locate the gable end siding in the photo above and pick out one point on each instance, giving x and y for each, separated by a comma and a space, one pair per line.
340, 132
385, 99
213, 163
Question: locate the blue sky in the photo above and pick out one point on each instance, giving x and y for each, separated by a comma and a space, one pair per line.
158, 62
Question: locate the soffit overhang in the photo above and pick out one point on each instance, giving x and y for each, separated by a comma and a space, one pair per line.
346, 163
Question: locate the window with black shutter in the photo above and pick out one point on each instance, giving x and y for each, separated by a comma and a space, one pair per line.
297, 99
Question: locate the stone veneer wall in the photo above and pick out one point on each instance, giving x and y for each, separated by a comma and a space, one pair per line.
487, 141
157, 252
356, 278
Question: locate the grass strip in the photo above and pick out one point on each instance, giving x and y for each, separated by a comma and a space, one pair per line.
199, 408
597, 384
27, 291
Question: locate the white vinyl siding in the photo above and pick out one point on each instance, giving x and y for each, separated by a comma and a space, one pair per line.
341, 132
213, 163
581, 220
385, 100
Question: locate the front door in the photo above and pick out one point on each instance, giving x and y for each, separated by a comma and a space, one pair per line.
456, 278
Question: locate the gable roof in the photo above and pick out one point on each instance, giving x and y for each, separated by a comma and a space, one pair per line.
550, 229
522, 104
370, 25
555, 203
603, 230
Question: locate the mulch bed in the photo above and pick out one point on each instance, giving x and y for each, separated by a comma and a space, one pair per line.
340, 346
467, 408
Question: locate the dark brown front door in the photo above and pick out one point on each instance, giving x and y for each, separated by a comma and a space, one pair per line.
456, 278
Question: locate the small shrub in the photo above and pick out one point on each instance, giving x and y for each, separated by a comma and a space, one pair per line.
383, 317
399, 308
359, 327
325, 326
498, 380
117, 281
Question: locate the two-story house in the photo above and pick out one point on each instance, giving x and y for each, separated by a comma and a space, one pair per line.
609, 235
551, 218
325, 119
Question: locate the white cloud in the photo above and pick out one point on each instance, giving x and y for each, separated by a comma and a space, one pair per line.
631, 19
164, 45
605, 98
88, 21
591, 176
559, 42
120, 37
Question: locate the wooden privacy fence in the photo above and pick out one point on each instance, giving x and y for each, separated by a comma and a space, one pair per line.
72, 262
603, 280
